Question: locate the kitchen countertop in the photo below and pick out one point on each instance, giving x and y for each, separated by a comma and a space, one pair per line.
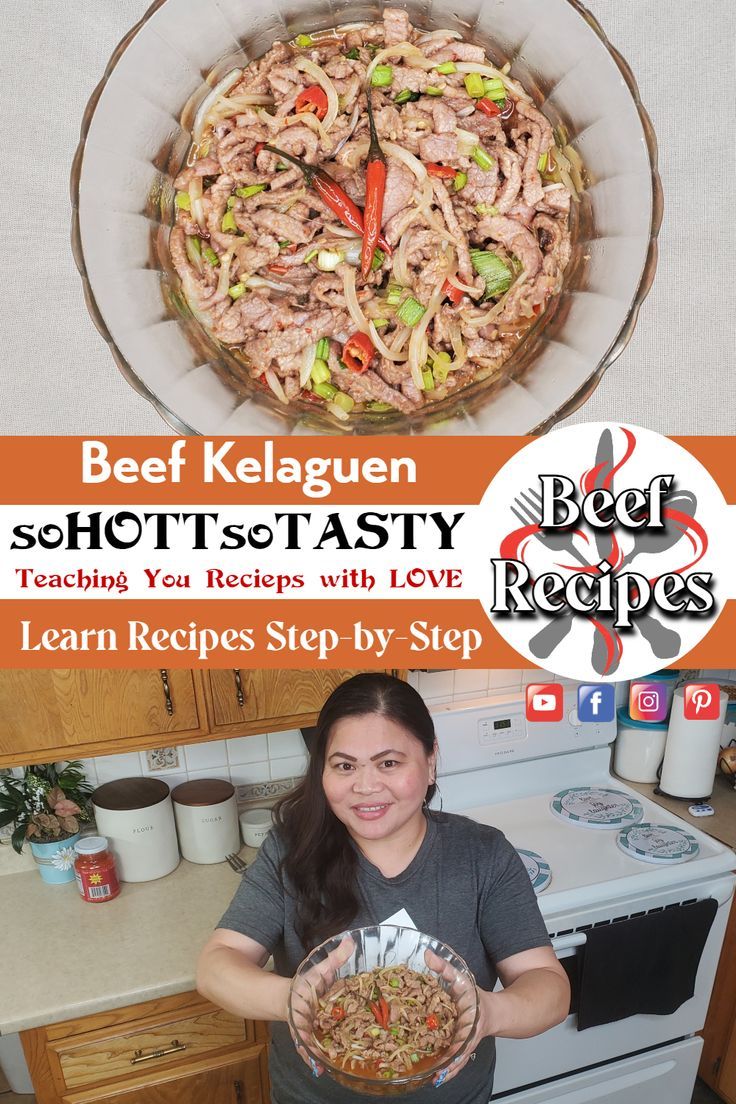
62, 957
722, 824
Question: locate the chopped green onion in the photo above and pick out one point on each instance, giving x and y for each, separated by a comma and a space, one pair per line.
434, 90
474, 86
325, 391
378, 322
394, 1031
414, 1057
542, 163
281, 167
353, 55
228, 224
323, 349
250, 190
374, 1031
373, 48
482, 160
231, 202
311, 255
380, 408
395, 291
410, 311
405, 96
382, 76
328, 260
486, 209
428, 380
494, 89
236, 291
387, 1075
461, 179
303, 40
346, 402
446, 67
183, 201
394, 983
193, 248
320, 371
495, 273
209, 255
441, 366
378, 258
283, 244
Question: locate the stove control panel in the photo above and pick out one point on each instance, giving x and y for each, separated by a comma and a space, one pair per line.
501, 730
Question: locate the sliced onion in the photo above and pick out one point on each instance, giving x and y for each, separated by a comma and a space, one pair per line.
231, 105
467, 288
440, 33
261, 281
389, 354
223, 282
345, 232
351, 300
412, 163
352, 254
401, 49
337, 410
195, 201
491, 71
419, 343
401, 337
399, 267
357, 153
354, 119
274, 383
318, 74
497, 308
466, 141
310, 352
421, 62
195, 258
310, 120
223, 86
458, 348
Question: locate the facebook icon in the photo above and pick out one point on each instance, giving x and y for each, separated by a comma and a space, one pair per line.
596, 703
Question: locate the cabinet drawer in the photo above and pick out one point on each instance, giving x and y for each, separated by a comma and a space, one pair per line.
89, 1061
224, 1080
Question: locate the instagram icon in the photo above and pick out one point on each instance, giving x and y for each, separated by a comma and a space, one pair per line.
647, 701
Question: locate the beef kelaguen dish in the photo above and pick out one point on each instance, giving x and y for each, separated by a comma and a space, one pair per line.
386, 1022
372, 217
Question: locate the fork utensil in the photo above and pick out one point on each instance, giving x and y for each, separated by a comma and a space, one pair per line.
527, 509
236, 863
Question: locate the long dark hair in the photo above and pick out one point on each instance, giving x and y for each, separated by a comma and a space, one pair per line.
321, 861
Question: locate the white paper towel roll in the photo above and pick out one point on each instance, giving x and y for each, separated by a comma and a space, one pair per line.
691, 752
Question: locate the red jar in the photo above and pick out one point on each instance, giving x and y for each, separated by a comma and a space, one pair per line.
94, 869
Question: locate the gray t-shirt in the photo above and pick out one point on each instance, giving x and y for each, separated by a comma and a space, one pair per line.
466, 886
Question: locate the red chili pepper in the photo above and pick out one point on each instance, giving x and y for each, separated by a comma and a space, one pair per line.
376, 1010
312, 99
385, 1011
454, 294
375, 187
278, 269
338, 1013
331, 194
358, 352
488, 107
432, 1022
258, 147
444, 172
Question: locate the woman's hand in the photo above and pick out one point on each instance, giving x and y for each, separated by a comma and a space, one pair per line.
483, 1028
317, 979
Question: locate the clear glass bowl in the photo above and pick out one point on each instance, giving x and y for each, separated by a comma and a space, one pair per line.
135, 136
381, 945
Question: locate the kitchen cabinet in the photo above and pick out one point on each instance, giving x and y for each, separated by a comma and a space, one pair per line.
175, 1050
76, 714
718, 1061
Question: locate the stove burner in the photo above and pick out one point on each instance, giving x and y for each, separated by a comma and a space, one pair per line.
658, 843
537, 869
591, 807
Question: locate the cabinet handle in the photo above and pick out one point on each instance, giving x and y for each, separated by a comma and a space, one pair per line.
167, 692
139, 1056
239, 1094
239, 692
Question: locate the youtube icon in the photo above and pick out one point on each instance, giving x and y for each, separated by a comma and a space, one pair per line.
544, 702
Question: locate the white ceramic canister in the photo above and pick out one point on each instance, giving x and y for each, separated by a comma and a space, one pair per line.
137, 817
691, 754
206, 819
639, 748
255, 825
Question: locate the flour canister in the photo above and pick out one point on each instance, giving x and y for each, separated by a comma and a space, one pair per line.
137, 817
206, 819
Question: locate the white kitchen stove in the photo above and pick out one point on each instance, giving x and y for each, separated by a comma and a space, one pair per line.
498, 770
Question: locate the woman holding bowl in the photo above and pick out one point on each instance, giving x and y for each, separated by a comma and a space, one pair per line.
355, 844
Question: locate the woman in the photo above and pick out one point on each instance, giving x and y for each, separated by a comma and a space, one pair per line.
356, 844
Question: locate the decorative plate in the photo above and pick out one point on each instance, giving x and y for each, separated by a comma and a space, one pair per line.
658, 843
537, 869
591, 807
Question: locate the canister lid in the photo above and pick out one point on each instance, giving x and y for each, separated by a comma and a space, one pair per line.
203, 791
645, 726
91, 845
125, 794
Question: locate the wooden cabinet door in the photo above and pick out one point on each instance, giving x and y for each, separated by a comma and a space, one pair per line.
46, 715
240, 698
226, 1081
726, 1084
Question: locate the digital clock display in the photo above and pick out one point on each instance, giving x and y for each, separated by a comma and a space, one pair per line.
498, 725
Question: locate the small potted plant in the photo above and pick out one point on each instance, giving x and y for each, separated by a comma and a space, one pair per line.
46, 807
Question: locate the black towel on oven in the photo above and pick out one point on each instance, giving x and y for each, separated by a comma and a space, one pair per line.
643, 965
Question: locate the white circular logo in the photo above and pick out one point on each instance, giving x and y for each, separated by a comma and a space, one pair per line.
599, 553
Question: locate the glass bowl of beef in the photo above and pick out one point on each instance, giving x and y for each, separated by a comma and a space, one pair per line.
126, 204
390, 1018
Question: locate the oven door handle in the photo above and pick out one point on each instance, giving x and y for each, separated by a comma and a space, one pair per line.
563, 944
